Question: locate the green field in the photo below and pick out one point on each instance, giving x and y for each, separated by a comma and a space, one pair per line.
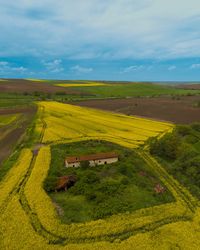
14, 100
134, 90
108, 90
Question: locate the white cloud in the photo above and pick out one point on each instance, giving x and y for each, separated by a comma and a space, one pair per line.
96, 28
8, 68
53, 66
195, 66
132, 68
81, 70
3, 64
173, 67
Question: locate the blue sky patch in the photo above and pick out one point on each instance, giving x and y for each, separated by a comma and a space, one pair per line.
100, 39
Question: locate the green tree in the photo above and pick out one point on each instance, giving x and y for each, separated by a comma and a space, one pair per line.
166, 147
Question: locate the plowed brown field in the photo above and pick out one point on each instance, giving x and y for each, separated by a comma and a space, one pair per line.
162, 108
22, 86
14, 133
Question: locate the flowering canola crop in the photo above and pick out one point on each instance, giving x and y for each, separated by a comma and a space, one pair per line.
69, 122
91, 84
28, 219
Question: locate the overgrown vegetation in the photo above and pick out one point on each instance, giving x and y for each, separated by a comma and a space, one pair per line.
104, 190
180, 153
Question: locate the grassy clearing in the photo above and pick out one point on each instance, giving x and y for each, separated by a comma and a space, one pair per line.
134, 89
102, 191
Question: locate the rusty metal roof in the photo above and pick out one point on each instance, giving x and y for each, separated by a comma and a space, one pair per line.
91, 157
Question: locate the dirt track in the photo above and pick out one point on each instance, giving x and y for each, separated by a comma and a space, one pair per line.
162, 108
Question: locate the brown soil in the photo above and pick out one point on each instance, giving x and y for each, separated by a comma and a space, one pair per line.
189, 86
9, 111
181, 111
25, 86
15, 135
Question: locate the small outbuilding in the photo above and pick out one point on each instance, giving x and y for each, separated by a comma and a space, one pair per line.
65, 182
93, 159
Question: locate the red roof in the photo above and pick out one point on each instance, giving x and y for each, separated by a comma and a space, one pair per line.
92, 157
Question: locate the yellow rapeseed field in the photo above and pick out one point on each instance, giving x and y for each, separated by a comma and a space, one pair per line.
69, 122
36, 80
66, 85
28, 219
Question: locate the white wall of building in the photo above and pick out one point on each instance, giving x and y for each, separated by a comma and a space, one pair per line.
93, 163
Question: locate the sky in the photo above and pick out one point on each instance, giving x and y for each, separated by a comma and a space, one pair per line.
130, 40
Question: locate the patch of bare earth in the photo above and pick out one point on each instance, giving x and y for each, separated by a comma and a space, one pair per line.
190, 86
182, 111
16, 131
58, 209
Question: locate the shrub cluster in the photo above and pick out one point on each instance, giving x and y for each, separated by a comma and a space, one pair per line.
180, 150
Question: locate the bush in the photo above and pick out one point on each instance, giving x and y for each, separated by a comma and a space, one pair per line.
186, 151
90, 178
196, 126
183, 130
50, 184
166, 147
85, 164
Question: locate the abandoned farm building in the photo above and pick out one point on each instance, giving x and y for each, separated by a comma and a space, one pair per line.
93, 159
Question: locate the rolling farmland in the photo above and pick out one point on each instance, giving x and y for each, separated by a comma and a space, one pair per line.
100, 125
23, 198
121, 90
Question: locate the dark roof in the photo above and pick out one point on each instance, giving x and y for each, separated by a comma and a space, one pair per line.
99, 156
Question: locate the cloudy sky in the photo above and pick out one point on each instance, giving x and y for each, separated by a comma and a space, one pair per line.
100, 39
